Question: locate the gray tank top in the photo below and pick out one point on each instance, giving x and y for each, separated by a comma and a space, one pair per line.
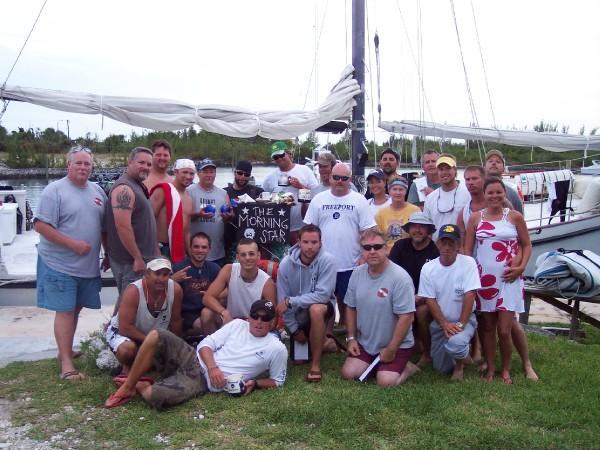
142, 222
144, 320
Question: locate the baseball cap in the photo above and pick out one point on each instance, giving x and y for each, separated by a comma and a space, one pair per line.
244, 165
206, 163
449, 231
377, 173
494, 152
421, 219
266, 306
326, 159
446, 159
159, 263
185, 164
391, 152
278, 148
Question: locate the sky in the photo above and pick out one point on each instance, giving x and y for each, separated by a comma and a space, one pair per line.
541, 57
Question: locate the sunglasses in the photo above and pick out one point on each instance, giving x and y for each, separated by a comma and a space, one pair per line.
79, 148
340, 177
369, 247
241, 173
261, 317
276, 157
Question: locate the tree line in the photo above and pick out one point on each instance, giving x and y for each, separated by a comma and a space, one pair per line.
31, 148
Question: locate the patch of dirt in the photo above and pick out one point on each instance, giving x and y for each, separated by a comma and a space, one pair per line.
16, 437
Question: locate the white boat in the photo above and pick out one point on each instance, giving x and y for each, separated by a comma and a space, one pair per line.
594, 169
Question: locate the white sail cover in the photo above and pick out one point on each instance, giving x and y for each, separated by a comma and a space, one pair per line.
554, 142
169, 115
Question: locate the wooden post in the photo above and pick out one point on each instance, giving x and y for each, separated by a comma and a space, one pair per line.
574, 321
524, 316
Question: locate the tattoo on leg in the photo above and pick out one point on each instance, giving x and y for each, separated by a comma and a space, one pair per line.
123, 199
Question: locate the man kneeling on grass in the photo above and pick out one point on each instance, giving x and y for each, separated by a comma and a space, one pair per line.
380, 310
240, 347
449, 284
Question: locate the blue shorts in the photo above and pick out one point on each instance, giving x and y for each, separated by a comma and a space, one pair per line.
60, 292
341, 283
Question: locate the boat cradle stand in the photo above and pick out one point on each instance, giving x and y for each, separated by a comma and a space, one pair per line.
553, 298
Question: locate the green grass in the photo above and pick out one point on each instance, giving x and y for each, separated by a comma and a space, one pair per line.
560, 411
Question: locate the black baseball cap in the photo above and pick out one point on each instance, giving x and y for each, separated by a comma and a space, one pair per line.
449, 231
377, 173
244, 165
266, 306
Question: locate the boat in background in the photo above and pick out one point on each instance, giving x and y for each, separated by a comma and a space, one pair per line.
594, 169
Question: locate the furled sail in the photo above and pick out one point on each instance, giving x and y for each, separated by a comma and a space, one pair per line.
554, 142
169, 115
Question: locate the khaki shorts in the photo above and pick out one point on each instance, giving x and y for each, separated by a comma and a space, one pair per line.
181, 375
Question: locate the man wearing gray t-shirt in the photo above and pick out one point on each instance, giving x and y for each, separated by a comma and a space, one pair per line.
210, 207
70, 219
380, 306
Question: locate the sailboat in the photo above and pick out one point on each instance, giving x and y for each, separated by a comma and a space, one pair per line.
344, 103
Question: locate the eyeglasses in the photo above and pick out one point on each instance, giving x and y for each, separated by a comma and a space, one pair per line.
369, 247
241, 173
261, 317
276, 157
437, 203
340, 177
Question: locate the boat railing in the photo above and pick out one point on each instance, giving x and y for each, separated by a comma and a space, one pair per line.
543, 220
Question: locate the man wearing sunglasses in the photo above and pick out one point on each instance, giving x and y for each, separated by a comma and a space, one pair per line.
70, 221
445, 203
240, 186
341, 214
289, 177
379, 314
241, 347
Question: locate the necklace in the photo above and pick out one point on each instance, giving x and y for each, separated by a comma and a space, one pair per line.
154, 305
453, 202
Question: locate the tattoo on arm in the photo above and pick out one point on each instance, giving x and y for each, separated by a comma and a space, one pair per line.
123, 200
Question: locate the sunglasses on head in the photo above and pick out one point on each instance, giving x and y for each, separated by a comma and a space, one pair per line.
369, 247
241, 173
340, 177
261, 317
276, 157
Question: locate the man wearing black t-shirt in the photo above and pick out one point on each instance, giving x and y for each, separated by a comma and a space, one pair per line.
411, 254
240, 186
195, 274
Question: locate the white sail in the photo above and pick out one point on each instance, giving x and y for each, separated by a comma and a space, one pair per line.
554, 142
168, 115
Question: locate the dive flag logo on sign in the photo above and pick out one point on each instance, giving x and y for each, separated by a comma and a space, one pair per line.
98, 201
383, 292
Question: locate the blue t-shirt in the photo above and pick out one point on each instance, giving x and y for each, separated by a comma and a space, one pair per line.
194, 288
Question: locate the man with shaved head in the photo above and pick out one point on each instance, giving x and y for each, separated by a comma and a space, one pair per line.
342, 215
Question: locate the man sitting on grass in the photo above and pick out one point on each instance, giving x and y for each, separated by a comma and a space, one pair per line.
380, 309
449, 285
240, 347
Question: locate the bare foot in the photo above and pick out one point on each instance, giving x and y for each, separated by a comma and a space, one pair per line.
506, 379
458, 375
408, 372
530, 374
424, 361
488, 377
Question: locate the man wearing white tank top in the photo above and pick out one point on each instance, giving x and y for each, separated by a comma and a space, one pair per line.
153, 302
245, 283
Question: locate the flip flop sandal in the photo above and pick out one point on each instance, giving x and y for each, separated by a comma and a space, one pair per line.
73, 375
313, 376
117, 400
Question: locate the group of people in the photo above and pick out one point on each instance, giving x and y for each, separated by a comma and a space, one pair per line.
440, 257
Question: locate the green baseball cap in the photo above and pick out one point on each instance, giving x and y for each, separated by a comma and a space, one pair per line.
278, 148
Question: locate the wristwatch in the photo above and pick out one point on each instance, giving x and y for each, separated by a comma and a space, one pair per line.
460, 325
350, 338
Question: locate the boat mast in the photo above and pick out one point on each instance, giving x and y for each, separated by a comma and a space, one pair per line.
358, 151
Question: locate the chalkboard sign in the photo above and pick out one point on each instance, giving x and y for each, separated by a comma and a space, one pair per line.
266, 223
